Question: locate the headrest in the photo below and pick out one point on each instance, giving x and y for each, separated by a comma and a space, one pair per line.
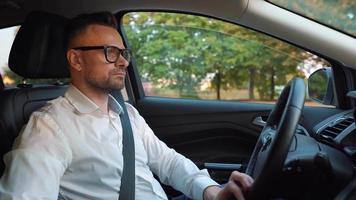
2, 86
38, 49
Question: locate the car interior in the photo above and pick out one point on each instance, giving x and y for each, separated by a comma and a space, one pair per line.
17, 104
292, 150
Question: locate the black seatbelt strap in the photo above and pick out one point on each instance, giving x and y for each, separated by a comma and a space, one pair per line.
127, 188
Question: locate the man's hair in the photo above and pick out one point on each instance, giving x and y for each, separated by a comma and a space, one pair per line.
82, 21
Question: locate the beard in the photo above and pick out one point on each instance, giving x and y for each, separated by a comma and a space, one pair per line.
111, 82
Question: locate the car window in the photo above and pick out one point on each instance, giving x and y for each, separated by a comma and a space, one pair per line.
339, 14
187, 56
7, 36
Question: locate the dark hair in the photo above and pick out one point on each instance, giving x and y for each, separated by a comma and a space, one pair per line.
82, 21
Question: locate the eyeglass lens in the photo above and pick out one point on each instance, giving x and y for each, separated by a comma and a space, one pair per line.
113, 54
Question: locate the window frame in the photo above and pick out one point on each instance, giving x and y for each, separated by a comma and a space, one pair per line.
136, 86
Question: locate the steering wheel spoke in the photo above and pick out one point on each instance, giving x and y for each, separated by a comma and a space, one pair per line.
271, 149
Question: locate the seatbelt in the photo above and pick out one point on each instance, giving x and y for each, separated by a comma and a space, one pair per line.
127, 188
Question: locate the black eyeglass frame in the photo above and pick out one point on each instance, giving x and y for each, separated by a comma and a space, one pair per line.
105, 48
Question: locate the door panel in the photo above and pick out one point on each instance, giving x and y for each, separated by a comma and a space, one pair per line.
205, 131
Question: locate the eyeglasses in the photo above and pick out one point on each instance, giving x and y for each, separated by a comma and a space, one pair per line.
112, 53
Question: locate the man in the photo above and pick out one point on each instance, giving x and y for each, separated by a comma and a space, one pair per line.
72, 147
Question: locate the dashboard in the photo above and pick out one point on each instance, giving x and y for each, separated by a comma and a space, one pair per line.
338, 131
324, 154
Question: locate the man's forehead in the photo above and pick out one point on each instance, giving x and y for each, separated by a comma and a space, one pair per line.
100, 34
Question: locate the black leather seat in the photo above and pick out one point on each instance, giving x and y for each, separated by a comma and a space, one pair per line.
37, 53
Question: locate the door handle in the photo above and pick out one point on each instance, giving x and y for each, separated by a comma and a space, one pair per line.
258, 121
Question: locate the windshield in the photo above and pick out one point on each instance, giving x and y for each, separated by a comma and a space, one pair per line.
339, 14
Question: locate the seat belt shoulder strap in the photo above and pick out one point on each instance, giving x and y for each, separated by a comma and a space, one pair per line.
127, 188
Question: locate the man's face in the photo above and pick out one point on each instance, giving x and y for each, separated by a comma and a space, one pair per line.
95, 70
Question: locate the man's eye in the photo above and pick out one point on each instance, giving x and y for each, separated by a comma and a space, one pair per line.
112, 52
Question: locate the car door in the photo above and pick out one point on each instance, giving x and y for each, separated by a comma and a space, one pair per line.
206, 86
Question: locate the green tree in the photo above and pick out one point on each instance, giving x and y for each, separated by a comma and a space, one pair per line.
337, 13
178, 51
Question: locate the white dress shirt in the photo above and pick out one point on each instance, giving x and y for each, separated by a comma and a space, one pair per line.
71, 150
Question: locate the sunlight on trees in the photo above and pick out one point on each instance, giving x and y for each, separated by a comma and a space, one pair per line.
198, 57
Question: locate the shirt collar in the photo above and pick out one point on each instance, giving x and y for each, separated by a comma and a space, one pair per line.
84, 105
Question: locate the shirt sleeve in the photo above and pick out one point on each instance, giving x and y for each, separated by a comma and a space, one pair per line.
171, 167
37, 162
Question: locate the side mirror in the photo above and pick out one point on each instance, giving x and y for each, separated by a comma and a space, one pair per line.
321, 86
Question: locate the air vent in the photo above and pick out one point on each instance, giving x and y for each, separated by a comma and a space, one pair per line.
331, 132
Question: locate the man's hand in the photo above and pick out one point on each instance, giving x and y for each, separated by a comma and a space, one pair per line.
239, 183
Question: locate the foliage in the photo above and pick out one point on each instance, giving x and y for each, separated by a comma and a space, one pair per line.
180, 51
340, 14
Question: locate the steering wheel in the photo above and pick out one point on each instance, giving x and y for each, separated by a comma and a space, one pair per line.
273, 144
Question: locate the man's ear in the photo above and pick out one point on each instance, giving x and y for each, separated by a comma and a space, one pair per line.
74, 59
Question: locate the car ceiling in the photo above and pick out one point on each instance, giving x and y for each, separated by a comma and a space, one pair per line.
14, 11
252, 13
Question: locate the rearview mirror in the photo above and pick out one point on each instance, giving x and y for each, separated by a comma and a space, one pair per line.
321, 86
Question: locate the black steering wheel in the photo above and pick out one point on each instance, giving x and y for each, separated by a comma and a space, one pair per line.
266, 162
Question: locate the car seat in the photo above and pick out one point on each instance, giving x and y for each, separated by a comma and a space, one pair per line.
37, 53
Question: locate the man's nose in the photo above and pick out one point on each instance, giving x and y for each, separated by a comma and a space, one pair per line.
122, 62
